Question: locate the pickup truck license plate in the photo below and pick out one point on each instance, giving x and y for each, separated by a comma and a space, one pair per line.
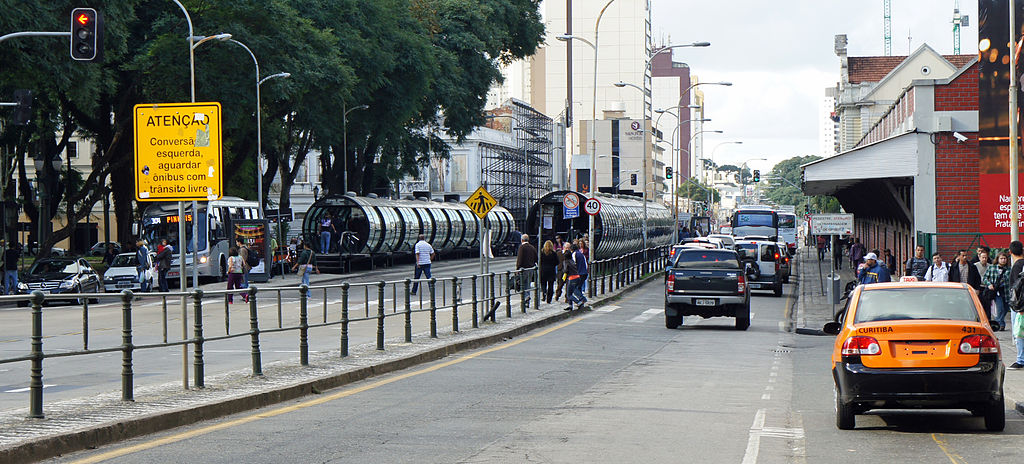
754, 285
704, 302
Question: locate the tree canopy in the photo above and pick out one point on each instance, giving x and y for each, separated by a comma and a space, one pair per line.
784, 182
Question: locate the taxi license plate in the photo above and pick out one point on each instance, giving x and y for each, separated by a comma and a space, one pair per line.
705, 302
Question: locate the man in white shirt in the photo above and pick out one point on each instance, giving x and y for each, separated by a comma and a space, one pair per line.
938, 271
424, 253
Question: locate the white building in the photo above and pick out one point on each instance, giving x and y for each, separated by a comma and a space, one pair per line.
828, 124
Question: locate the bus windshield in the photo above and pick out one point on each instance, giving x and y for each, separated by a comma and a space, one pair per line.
787, 221
155, 228
754, 219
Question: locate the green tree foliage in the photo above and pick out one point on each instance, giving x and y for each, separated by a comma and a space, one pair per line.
783, 187
697, 191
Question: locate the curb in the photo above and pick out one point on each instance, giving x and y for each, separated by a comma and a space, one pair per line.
121, 430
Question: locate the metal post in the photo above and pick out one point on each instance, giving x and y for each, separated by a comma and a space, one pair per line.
198, 364
163, 310
380, 313
344, 319
35, 385
303, 325
254, 331
127, 388
508, 294
455, 304
1014, 206
325, 305
85, 325
536, 288
476, 324
524, 293
280, 312
433, 307
408, 312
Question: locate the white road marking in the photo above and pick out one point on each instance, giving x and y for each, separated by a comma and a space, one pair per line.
758, 430
646, 315
23, 390
766, 396
607, 309
754, 438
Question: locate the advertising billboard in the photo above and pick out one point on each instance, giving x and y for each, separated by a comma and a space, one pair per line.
255, 234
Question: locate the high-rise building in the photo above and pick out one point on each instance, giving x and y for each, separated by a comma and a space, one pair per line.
828, 124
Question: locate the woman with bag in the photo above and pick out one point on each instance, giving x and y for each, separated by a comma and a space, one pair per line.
996, 289
236, 267
548, 270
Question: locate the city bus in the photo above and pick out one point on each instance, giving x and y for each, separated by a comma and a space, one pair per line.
755, 220
160, 220
787, 230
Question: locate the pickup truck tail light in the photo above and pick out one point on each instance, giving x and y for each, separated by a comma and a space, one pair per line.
742, 285
670, 283
862, 346
977, 344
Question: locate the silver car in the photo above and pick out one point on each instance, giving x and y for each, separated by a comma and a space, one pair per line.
122, 274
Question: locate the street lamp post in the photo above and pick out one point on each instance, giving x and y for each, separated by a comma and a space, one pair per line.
344, 144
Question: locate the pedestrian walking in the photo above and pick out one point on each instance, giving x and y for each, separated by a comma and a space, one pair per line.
235, 271
857, 252
997, 281
917, 265
143, 265
307, 262
582, 265
871, 271
548, 271
163, 263
326, 229
977, 253
424, 255
1017, 260
837, 255
244, 252
982, 262
560, 276
526, 260
890, 262
11, 257
821, 247
575, 279
964, 272
938, 271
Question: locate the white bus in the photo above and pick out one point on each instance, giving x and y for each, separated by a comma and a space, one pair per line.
787, 230
160, 220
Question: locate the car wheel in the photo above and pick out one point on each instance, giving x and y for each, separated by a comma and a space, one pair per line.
995, 416
223, 270
743, 317
672, 322
845, 418
777, 289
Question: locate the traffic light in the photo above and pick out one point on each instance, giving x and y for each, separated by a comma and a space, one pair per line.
22, 112
757, 176
86, 32
632, 179
668, 172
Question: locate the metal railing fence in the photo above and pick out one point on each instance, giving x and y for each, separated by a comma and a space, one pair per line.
380, 300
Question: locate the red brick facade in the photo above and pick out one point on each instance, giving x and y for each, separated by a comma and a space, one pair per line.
956, 191
959, 95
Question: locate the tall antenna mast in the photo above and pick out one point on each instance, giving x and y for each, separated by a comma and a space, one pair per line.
958, 21
888, 28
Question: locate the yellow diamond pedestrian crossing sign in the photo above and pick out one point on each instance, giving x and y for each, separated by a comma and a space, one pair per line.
481, 202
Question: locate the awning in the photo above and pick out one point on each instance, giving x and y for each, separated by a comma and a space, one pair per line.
891, 158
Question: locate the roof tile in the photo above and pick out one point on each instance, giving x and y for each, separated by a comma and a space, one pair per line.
875, 68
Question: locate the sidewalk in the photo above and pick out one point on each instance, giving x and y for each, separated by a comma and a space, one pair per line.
77, 424
814, 310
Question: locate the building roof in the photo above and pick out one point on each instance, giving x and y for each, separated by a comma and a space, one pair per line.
875, 68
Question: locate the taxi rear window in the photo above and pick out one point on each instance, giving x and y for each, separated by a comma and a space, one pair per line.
707, 259
893, 304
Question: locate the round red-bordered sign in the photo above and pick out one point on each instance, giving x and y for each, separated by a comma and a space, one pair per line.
592, 206
571, 201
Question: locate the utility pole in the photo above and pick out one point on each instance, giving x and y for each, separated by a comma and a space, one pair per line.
1014, 206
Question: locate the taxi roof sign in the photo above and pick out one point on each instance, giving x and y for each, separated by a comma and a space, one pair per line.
481, 202
178, 152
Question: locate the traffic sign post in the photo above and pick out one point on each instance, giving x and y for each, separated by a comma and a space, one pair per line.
178, 152
831, 224
570, 206
592, 206
481, 202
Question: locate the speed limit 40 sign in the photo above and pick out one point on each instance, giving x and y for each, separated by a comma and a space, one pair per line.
592, 206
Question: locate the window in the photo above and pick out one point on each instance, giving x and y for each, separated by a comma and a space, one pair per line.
754, 219
768, 252
707, 259
915, 303
787, 221
72, 150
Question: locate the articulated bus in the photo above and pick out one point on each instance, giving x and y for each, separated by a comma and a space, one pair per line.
160, 220
755, 220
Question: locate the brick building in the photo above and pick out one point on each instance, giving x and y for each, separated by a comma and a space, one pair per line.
913, 177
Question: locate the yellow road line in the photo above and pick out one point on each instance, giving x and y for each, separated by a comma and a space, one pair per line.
306, 404
953, 457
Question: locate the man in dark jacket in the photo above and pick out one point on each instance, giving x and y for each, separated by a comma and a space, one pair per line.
965, 272
163, 263
526, 259
918, 265
870, 271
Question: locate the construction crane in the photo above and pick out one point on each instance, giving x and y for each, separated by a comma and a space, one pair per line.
888, 27
958, 21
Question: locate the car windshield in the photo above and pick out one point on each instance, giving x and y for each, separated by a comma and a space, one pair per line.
748, 250
55, 267
892, 304
126, 260
707, 259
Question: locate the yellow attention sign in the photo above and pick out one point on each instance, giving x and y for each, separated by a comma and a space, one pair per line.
178, 152
481, 202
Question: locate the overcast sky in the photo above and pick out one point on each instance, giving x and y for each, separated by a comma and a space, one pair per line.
780, 57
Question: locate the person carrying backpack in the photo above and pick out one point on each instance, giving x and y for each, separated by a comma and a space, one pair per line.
307, 261
1017, 301
246, 257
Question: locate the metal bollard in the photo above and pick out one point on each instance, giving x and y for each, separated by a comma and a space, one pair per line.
254, 332
508, 294
455, 304
536, 288
433, 307
344, 319
604, 277
164, 311
325, 305
476, 314
85, 326
380, 314
408, 311
493, 299
303, 325
127, 376
35, 385
197, 357
280, 312
523, 292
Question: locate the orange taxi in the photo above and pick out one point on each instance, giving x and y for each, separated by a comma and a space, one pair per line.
916, 345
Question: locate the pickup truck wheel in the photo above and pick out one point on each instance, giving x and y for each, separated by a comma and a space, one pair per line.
672, 322
743, 318
777, 289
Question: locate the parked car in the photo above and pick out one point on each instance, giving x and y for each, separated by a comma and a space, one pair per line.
122, 275
706, 283
100, 248
54, 276
763, 257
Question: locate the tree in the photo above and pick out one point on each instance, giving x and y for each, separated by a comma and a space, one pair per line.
698, 191
783, 190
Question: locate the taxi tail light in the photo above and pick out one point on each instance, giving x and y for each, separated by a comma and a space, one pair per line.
670, 283
741, 286
862, 346
978, 344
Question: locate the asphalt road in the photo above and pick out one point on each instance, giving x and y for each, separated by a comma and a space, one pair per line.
611, 386
82, 376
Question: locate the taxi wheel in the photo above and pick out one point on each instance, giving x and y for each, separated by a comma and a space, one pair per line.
845, 418
743, 318
995, 416
672, 322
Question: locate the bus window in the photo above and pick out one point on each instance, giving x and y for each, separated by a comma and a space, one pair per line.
787, 221
749, 219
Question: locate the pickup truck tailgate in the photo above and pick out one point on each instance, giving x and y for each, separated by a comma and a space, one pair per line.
705, 282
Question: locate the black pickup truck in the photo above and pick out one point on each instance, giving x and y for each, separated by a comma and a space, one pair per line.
706, 283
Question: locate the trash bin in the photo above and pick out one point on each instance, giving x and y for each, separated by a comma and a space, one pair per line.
836, 287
